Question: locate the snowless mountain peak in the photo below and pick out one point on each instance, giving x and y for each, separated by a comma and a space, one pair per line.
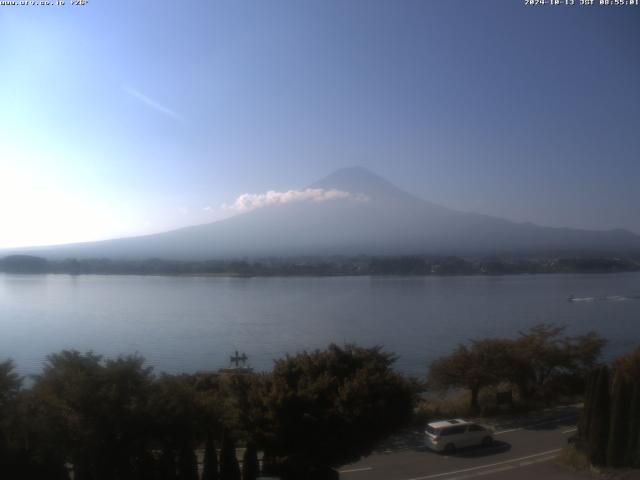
390, 222
359, 180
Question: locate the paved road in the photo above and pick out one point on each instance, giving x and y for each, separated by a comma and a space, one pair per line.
522, 449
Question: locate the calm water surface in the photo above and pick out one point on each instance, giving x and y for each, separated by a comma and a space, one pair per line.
188, 324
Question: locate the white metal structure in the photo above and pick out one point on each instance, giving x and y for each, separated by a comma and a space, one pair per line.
448, 435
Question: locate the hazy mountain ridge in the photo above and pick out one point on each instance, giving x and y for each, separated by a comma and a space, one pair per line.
390, 222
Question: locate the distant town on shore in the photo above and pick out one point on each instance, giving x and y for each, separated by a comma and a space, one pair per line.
325, 266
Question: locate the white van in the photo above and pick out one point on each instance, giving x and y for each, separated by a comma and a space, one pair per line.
448, 435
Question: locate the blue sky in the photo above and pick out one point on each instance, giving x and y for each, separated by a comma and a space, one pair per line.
129, 117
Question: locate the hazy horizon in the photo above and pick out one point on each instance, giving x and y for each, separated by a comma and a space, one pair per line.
121, 119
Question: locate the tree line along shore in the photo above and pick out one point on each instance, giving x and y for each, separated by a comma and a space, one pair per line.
327, 266
90, 418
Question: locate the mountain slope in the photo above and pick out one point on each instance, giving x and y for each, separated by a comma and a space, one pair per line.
382, 220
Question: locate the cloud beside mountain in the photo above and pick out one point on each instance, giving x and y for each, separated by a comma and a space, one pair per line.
251, 201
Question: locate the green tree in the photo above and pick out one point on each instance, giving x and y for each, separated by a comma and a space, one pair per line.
176, 411
629, 364
68, 393
327, 408
632, 454
144, 466
12, 455
167, 468
583, 424
229, 468
270, 464
483, 363
210, 467
599, 422
10, 383
96, 411
545, 361
187, 463
618, 429
250, 465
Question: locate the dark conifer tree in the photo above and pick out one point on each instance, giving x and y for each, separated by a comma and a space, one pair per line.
599, 422
81, 469
145, 466
632, 455
583, 424
250, 465
229, 468
210, 468
269, 464
187, 463
167, 465
49, 467
619, 427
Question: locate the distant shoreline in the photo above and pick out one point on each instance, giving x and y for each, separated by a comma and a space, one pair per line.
358, 266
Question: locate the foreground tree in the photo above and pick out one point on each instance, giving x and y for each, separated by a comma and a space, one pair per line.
95, 411
483, 363
629, 364
599, 421
10, 383
619, 424
12, 455
210, 464
187, 463
328, 408
583, 423
632, 454
229, 468
250, 465
167, 469
546, 362
540, 363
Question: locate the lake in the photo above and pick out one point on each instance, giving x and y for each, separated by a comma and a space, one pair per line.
184, 324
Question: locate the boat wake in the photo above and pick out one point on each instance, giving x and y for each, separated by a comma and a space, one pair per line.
607, 298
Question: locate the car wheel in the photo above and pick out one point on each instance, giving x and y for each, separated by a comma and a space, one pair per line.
449, 448
487, 441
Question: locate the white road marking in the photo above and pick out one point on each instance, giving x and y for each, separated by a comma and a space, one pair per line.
537, 460
488, 472
546, 422
354, 470
480, 467
571, 430
503, 469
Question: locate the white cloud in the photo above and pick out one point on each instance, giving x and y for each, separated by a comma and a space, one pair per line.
152, 103
251, 201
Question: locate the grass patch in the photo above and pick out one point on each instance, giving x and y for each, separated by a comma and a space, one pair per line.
457, 404
432, 409
576, 459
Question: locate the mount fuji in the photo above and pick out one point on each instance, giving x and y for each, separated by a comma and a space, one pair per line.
352, 211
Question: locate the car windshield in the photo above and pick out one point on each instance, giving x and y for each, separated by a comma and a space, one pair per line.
432, 430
